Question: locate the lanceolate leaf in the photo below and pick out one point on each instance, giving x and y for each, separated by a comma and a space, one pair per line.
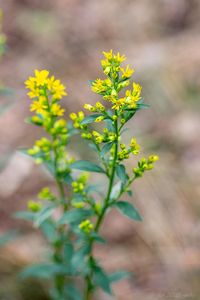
90, 119
25, 215
106, 148
74, 216
86, 165
127, 209
78, 260
121, 173
44, 214
45, 271
101, 279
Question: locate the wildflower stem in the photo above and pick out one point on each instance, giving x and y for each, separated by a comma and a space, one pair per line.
112, 176
89, 289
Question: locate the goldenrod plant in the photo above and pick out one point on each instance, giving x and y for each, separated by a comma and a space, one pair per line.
73, 234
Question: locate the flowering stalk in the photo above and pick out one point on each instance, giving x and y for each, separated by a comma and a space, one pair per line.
45, 93
73, 234
111, 151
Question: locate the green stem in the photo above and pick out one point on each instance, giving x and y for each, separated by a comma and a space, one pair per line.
89, 289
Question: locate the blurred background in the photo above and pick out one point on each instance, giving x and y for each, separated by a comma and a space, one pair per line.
161, 41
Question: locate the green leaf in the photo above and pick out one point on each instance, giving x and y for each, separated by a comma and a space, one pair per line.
49, 165
129, 115
90, 119
119, 275
75, 216
45, 271
98, 238
25, 215
121, 173
68, 250
86, 165
49, 230
94, 188
109, 125
127, 209
141, 104
78, 261
44, 214
106, 148
101, 279
68, 178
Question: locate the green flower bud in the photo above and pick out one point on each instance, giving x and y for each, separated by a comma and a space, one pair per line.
34, 206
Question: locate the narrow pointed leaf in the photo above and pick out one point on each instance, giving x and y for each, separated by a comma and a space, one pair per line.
101, 279
121, 173
86, 165
74, 216
90, 119
127, 209
106, 148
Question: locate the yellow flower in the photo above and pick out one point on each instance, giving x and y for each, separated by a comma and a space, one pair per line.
38, 106
99, 119
73, 116
41, 77
133, 96
86, 226
34, 206
118, 103
34, 93
111, 63
40, 82
137, 90
117, 58
57, 110
30, 83
56, 88
108, 55
89, 107
100, 106
98, 137
126, 73
153, 158
101, 86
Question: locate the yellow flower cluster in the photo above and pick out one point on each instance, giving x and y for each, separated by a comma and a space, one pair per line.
99, 138
46, 92
34, 206
134, 146
124, 153
98, 107
118, 78
101, 87
79, 185
130, 100
111, 63
46, 194
145, 165
77, 118
86, 226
